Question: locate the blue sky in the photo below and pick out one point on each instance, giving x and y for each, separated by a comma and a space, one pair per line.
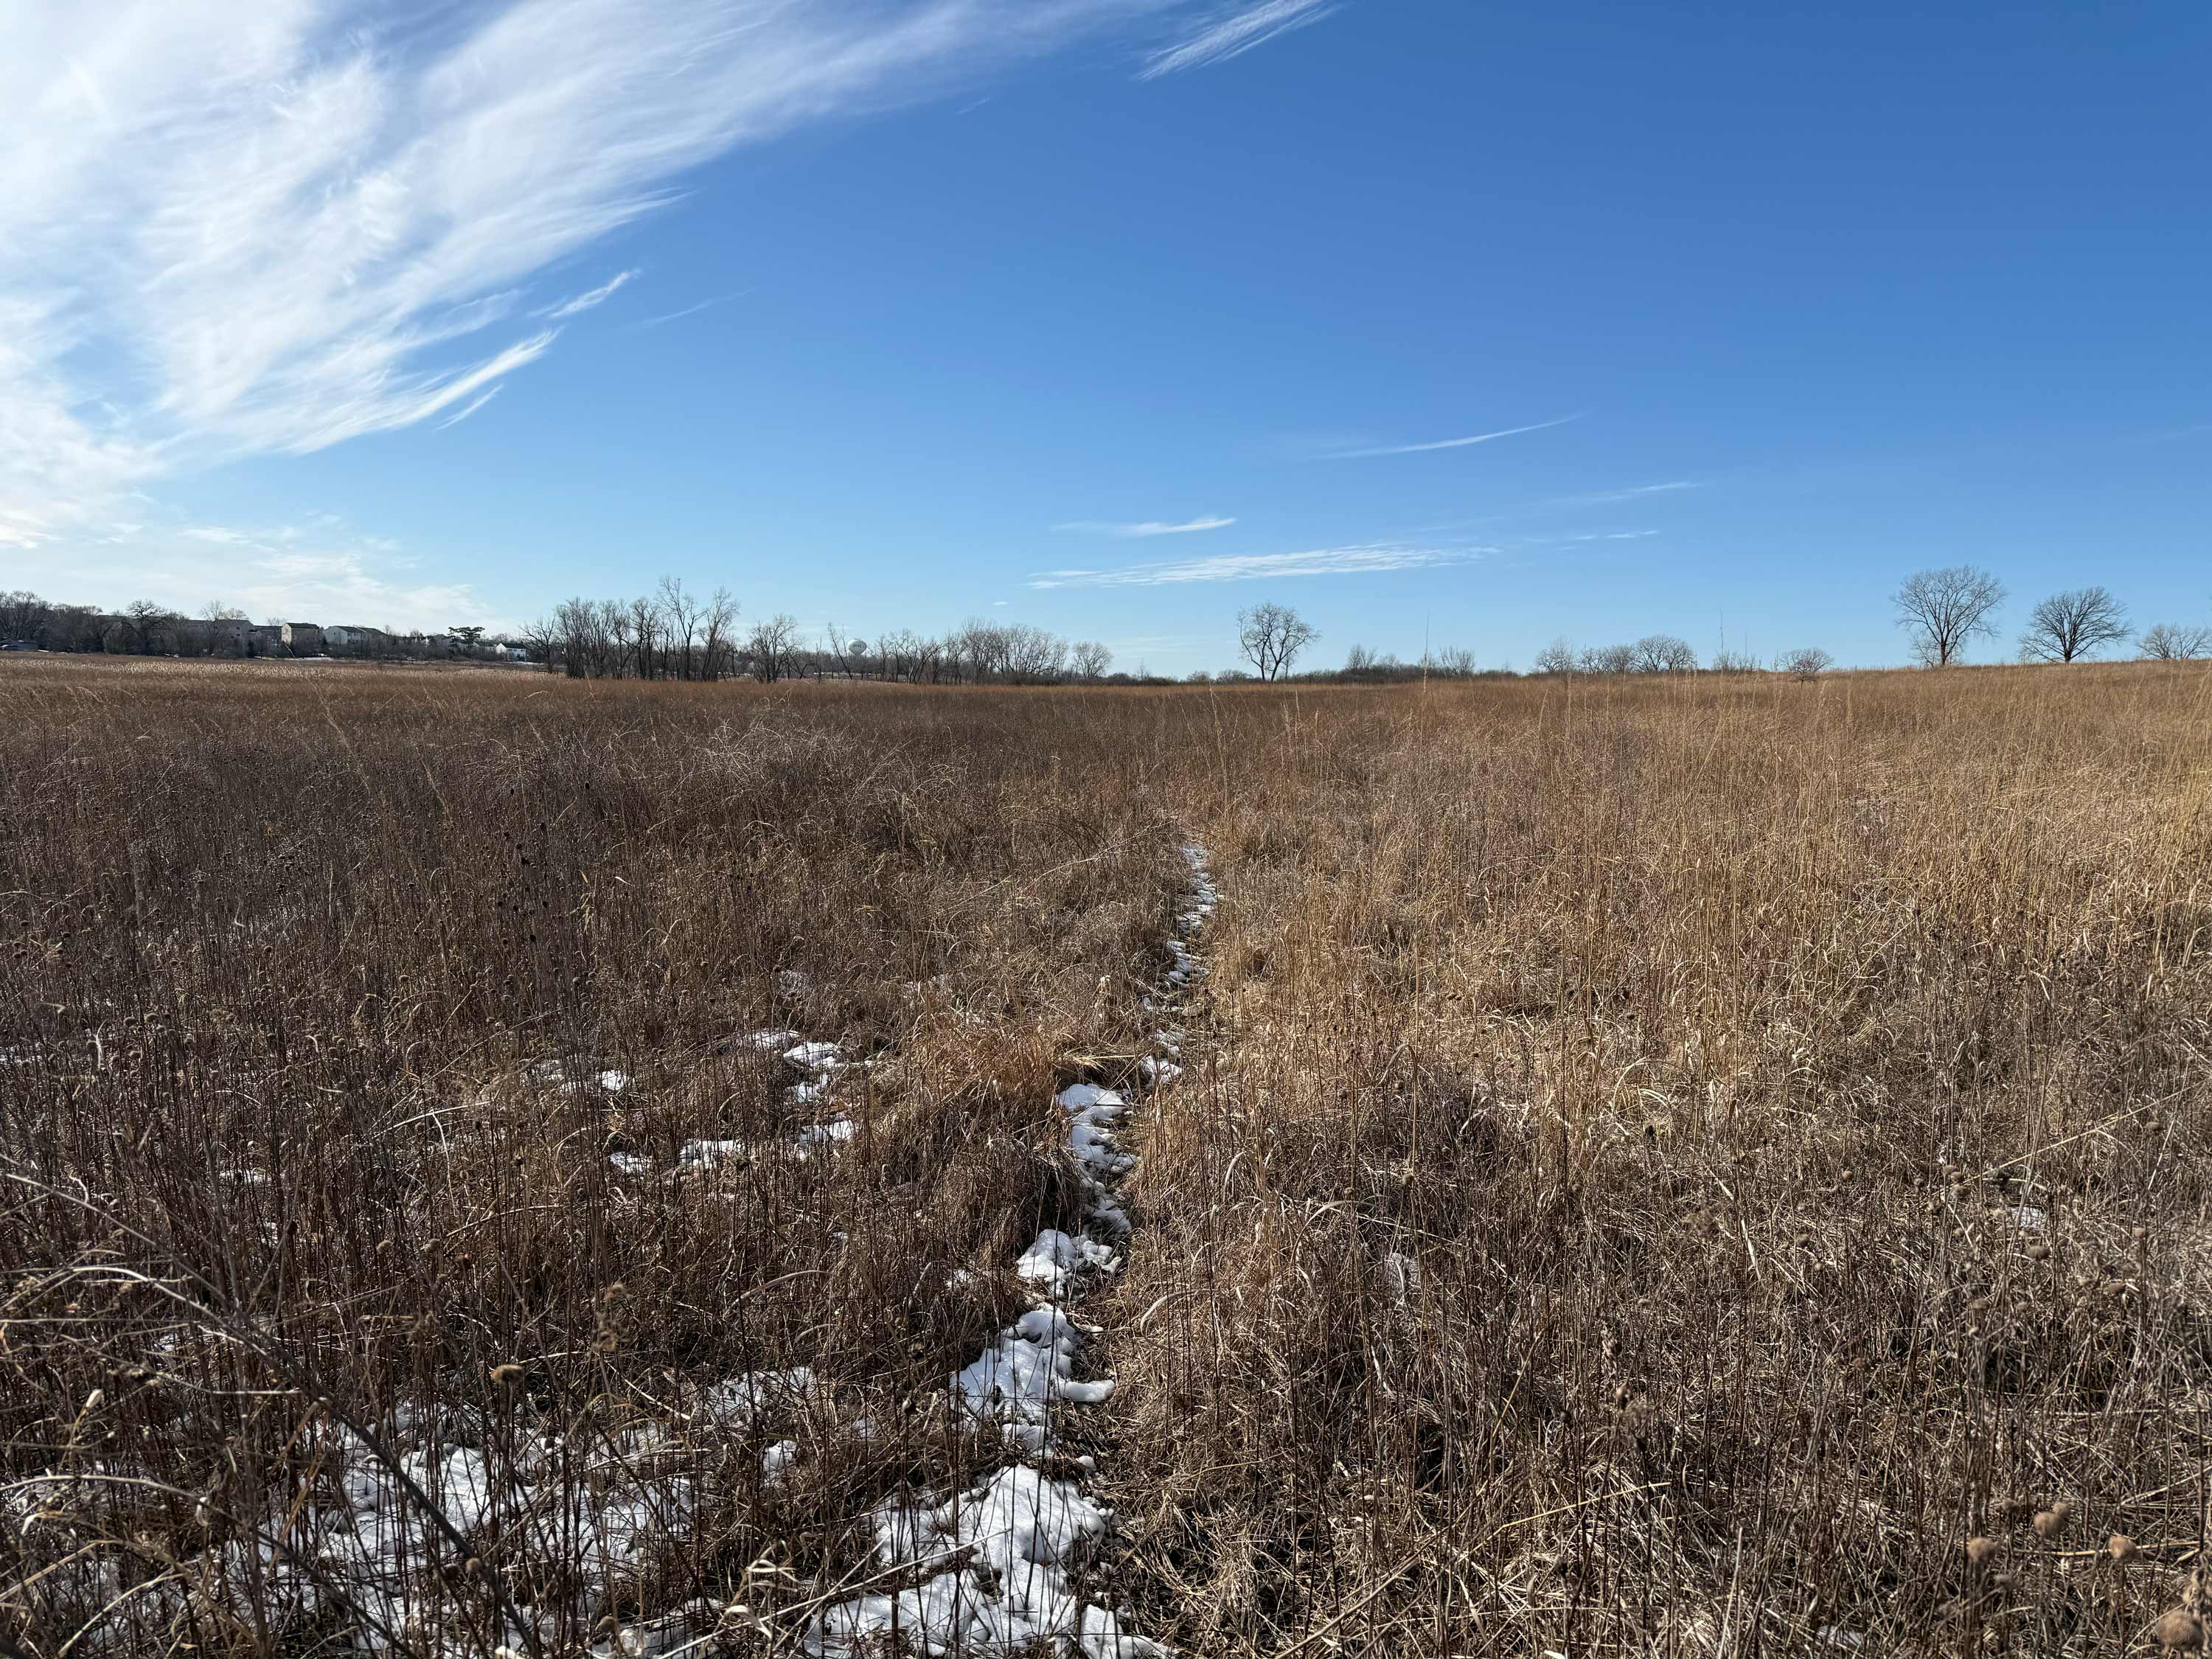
1111, 315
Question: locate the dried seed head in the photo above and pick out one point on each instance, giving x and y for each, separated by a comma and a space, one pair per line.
2121, 1547
1980, 1550
2180, 1629
507, 1376
2050, 1522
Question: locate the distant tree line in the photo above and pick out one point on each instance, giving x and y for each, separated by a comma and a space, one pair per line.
675, 635
1655, 654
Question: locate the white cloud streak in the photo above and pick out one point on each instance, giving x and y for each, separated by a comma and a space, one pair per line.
1635, 492
477, 403
308, 572
1450, 443
589, 297
1372, 560
238, 230
1149, 527
1235, 33
688, 311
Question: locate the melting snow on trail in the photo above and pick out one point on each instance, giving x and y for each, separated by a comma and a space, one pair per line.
990, 1571
1007, 1551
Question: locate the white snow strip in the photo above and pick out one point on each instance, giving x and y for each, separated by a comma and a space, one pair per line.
999, 1559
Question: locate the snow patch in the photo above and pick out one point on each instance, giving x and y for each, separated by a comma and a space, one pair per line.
1017, 1537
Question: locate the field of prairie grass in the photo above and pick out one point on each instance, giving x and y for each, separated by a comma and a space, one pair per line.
1670, 1166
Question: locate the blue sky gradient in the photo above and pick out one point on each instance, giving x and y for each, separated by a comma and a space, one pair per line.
1792, 301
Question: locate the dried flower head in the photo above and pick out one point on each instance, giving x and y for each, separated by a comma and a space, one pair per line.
2179, 1628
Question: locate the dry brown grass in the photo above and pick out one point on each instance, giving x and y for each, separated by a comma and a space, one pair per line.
1600, 1224
1661, 1167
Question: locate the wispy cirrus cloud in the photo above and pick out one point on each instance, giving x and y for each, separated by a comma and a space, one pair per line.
235, 231
689, 311
1233, 34
1149, 527
1633, 493
1368, 559
1447, 443
474, 404
589, 297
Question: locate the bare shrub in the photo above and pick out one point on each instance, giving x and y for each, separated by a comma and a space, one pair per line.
2172, 642
1807, 663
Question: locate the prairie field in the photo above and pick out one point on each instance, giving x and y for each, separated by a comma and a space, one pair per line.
1680, 1165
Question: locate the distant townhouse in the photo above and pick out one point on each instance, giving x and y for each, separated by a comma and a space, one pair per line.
303, 638
204, 636
357, 641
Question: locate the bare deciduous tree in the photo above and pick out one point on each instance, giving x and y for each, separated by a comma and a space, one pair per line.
1089, 660
1557, 657
543, 639
1608, 659
772, 646
1943, 610
1271, 636
928, 660
1031, 656
681, 616
2169, 642
142, 624
717, 647
1665, 653
2067, 627
1808, 663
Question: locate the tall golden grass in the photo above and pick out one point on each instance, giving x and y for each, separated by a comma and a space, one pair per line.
1661, 1165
